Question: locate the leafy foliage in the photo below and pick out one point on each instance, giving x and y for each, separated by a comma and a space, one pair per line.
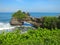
32, 37
19, 15
51, 22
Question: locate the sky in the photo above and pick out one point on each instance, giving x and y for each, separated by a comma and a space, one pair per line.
30, 5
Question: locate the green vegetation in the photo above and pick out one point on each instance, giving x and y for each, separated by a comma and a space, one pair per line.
48, 34
19, 15
51, 22
32, 37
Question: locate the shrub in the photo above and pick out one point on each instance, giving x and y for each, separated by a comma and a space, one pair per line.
19, 14
51, 22
32, 37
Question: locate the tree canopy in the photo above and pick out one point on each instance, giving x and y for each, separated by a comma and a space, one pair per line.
19, 14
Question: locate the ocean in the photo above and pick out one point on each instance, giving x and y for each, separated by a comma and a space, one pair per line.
6, 17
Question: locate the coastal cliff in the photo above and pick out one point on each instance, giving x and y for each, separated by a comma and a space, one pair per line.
19, 17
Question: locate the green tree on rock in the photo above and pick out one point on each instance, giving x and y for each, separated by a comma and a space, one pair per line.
19, 14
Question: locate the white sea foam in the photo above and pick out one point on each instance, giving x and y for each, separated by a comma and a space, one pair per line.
26, 22
6, 26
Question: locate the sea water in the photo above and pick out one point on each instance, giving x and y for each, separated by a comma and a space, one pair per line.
5, 19
42, 14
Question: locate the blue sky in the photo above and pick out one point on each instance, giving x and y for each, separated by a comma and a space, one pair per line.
30, 5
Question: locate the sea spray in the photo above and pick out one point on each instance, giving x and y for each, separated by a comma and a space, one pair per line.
6, 26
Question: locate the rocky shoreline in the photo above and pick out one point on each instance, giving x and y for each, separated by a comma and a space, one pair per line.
36, 22
19, 18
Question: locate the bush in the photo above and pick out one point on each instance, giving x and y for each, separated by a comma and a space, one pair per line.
51, 22
32, 37
19, 14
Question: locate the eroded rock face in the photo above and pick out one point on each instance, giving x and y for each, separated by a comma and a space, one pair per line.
15, 22
36, 22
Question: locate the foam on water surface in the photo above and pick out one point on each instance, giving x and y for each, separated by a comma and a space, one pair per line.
6, 26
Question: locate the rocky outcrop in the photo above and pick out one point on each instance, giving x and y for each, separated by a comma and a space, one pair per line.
19, 18
15, 22
36, 22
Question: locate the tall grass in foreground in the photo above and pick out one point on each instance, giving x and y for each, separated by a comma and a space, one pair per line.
32, 37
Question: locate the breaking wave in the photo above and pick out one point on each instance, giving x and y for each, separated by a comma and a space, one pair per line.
6, 26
